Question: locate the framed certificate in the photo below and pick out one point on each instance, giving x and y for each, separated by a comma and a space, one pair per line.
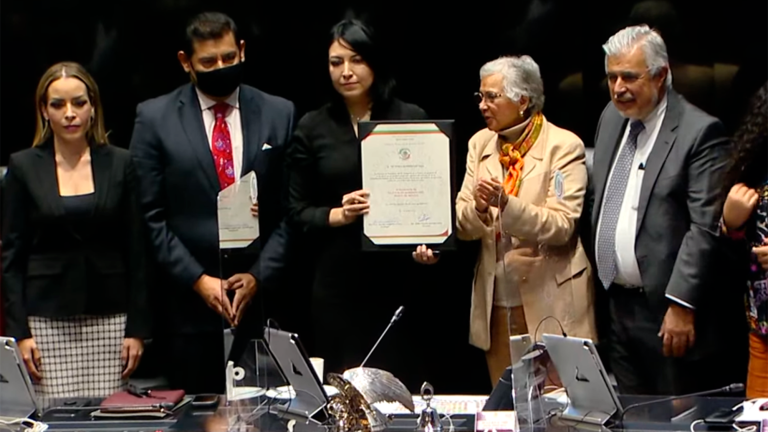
408, 167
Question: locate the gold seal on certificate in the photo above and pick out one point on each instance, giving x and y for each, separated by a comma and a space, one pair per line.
407, 170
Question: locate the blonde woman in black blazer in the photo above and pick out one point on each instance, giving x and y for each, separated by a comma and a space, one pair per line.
73, 263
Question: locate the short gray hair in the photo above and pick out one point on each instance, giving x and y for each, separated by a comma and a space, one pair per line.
521, 78
653, 46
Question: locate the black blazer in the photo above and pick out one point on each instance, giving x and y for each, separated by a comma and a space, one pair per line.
51, 269
325, 162
179, 189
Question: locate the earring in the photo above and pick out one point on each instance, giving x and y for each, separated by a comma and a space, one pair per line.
522, 113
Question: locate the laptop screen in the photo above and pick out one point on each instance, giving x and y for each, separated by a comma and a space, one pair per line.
17, 396
290, 356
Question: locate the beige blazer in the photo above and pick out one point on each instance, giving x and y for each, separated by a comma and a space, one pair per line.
543, 216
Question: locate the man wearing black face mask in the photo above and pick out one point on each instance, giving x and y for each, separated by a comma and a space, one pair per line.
188, 145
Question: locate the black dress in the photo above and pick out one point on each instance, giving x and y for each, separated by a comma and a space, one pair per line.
354, 293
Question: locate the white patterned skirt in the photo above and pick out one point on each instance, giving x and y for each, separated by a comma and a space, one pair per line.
80, 356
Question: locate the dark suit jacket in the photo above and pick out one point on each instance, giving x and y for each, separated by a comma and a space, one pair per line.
179, 189
51, 267
679, 207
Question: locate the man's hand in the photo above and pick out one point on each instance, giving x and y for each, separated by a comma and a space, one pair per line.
245, 286
31, 357
762, 254
255, 210
425, 255
739, 205
133, 348
212, 289
677, 330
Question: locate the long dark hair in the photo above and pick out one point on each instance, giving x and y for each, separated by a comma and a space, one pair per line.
750, 153
360, 39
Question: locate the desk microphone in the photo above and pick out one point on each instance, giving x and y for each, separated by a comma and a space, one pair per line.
395, 317
733, 388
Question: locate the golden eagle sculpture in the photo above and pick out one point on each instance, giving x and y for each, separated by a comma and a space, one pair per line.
359, 389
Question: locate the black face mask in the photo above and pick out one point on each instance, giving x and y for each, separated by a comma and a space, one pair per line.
220, 82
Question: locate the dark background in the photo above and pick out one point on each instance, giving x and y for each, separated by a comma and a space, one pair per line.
718, 51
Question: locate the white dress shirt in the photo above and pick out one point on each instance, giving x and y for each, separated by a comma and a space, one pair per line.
233, 123
627, 269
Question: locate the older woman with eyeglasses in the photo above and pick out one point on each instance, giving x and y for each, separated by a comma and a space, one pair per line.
522, 196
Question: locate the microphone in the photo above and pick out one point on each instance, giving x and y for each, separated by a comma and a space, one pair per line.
732, 388
395, 317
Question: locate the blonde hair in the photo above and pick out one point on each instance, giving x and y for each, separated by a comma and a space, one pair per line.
96, 132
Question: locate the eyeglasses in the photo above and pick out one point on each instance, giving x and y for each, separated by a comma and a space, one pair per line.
489, 96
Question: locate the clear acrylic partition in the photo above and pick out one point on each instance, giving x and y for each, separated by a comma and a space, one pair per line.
244, 354
540, 288
255, 374
254, 384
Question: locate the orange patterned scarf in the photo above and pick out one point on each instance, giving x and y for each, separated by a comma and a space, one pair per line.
512, 154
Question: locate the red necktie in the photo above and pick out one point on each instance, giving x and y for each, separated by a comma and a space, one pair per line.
222, 146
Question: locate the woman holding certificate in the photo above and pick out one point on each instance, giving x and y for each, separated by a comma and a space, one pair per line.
522, 196
354, 294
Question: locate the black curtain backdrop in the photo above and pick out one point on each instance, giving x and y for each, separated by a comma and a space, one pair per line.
130, 47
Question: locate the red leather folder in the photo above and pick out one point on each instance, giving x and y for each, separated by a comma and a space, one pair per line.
157, 401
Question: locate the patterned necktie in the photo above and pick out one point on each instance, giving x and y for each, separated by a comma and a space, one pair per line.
222, 146
612, 200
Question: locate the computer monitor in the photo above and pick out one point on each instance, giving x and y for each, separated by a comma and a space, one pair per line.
591, 396
17, 396
310, 397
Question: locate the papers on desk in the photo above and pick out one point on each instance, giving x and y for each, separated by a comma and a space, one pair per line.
496, 421
449, 405
752, 412
287, 392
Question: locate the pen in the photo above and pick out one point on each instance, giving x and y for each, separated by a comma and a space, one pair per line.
136, 392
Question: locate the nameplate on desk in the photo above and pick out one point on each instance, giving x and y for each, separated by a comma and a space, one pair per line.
496, 421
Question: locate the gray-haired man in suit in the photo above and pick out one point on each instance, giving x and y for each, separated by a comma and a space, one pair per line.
657, 171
